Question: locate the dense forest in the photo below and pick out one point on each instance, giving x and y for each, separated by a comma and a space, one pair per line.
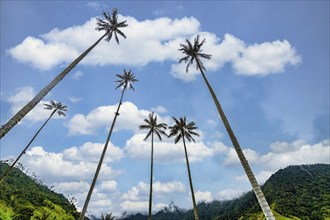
24, 197
296, 192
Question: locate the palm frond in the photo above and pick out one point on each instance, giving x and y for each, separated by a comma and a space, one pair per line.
126, 80
111, 25
193, 53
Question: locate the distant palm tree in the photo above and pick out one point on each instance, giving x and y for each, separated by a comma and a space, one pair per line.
125, 82
56, 107
108, 216
194, 53
158, 129
111, 27
185, 131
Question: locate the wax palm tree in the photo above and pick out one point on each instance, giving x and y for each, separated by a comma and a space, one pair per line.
193, 52
185, 131
158, 129
56, 107
110, 25
107, 216
125, 82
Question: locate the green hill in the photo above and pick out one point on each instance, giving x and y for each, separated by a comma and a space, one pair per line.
296, 192
25, 198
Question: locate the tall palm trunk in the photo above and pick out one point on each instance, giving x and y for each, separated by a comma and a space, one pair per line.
190, 180
29, 106
255, 186
151, 175
82, 214
27, 146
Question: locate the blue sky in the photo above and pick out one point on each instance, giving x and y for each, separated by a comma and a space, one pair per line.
269, 69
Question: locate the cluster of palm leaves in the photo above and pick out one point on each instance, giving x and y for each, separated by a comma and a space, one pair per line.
181, 130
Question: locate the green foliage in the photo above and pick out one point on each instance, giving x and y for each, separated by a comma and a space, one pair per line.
23, 197
296, 193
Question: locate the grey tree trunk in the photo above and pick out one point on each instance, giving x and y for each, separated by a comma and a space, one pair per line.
29, 106
255, 186
151, 176
190, 180
90, 192
27, 146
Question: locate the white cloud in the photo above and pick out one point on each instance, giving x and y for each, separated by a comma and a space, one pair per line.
228, 194
64, 166
232, 157
93, 151
77, 75
24, 95
283, 154
109, 185
167, 151
168, 187
101, 117
159, 41
135, 206
137, 192
136, 198
257, 59
203, 196
73, 187
296, 153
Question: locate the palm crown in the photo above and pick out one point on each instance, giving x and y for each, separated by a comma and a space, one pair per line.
111, 25
126, 80
194, 52
181, 129
151, 124
57, 107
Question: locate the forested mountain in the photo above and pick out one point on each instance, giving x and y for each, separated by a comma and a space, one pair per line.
24, 198
296, 192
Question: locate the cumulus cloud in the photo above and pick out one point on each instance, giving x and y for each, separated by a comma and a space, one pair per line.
167, 151
159, 41
136, 198
71, 164
203, 196
101, 117
283, 154
228, 194
296, 153
256, 59
21, 97
93, 152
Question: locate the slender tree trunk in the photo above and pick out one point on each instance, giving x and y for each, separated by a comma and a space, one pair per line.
27, 146
82, 214
190, 180
151, 175
29, 106
255, 186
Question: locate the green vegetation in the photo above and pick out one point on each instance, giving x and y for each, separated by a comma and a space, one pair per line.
296, 193
23, 197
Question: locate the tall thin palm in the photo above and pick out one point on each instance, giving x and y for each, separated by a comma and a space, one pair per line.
193, 52
125, 82
56, 107
158, 129
110, 25
185, 131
